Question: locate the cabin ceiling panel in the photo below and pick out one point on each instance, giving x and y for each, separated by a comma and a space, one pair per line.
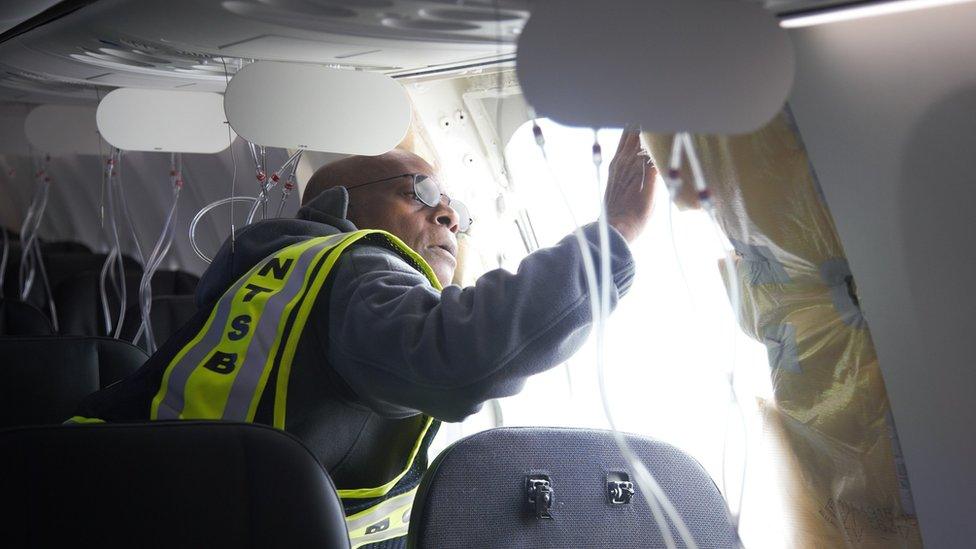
196, 44
13, 13
199, 43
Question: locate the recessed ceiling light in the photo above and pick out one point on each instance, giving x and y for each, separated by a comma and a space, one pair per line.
861, 11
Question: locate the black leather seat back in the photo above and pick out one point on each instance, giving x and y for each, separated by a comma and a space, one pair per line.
42, 379
80, 307
22, 319
60, 267
166, 485
65, 247
168, 314
476, 493
174, 283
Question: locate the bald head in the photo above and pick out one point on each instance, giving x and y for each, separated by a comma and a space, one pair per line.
354, 170
392, 206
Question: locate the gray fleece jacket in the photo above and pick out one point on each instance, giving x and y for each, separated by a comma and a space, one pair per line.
383, 346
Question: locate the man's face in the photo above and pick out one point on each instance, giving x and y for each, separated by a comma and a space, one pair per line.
392, 206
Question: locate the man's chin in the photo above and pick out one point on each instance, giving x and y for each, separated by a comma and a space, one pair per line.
444, 275
442, 266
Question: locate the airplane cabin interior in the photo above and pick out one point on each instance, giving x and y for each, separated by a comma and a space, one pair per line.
783, 361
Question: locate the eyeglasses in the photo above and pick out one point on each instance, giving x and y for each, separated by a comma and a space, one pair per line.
429, 194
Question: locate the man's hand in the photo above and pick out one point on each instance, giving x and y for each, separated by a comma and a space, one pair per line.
630, 188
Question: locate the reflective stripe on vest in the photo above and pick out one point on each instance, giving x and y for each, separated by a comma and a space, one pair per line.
254, 329
390, 519
391, 516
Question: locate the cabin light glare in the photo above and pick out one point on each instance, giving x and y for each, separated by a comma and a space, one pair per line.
862, 11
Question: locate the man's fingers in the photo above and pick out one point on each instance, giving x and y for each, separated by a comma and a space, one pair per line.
627, 140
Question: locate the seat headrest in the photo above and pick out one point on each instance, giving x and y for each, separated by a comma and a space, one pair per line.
60, 267
43, 379
168, 314
492, 471
22, 319
64, 246
167, 484
174, 283
78, 299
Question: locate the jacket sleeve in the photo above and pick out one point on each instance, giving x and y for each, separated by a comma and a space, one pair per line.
404, 347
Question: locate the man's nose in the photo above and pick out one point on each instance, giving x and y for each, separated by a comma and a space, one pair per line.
445, 215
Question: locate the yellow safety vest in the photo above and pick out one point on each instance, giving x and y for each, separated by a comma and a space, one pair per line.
253, 331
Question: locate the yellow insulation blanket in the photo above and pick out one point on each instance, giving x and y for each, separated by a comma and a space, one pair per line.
845, 480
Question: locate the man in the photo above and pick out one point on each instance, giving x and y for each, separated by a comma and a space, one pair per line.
344, 337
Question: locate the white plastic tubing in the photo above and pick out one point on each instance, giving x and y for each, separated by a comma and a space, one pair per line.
4, 257
113, 269
599, 291
261, 201
159, 251
684, 147
31, 261
112, 276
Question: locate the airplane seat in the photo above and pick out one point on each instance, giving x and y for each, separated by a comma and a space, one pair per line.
22, 319
166, 484
42, 379
80, 307
64, 247
174, 283
168, 314
59, 267
535, 487
79, 304
63, 266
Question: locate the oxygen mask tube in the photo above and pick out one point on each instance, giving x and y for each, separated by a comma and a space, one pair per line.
159, 252
684, 146
114, 266
259, 173
31, 258
25, 272
259, 157
645, 479
28, 230
657, 500
110, 258
264, 193
204, 211
124, 210
289, 185
232, 199
289, 169
115, 193
4, 257
47, 286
